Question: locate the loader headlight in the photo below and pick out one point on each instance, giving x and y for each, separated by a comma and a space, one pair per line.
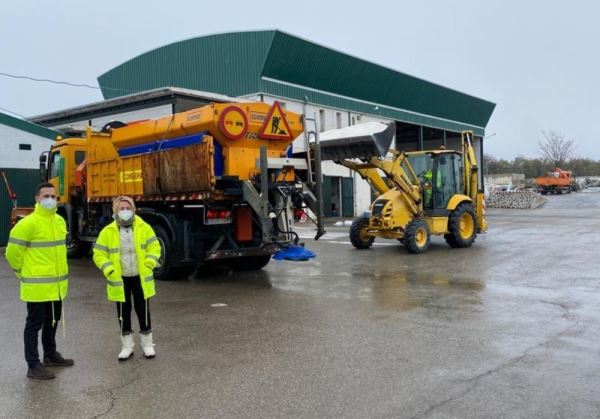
377, 207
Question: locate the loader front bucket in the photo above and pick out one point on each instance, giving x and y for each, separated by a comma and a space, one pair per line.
362, 141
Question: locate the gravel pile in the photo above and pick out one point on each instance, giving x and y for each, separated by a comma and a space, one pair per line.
516, 199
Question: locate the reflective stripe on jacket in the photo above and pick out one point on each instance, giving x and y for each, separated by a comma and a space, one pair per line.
37, 253
107, 257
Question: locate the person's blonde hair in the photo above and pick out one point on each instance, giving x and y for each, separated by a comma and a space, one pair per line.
118, 199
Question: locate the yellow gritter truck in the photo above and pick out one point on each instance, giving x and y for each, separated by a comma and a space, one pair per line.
216, 183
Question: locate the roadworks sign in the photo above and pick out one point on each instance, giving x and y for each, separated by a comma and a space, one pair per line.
275, 126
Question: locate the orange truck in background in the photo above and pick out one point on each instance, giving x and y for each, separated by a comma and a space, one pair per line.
557, 181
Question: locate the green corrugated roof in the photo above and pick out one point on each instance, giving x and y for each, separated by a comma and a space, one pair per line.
280, 64
29, 127
228, 64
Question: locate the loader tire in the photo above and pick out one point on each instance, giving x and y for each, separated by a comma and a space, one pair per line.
416, 237
358, 236
462, 226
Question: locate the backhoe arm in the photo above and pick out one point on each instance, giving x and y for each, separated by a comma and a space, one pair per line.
471, 179
398, 171
369, 173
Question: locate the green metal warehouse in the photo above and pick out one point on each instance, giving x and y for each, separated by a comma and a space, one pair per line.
268, 65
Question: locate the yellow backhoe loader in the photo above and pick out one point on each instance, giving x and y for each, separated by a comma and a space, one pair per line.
419, 194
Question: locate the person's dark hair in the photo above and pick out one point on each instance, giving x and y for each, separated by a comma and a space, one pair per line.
39, 187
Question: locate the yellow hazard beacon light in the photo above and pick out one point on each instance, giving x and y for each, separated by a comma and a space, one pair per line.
240, 129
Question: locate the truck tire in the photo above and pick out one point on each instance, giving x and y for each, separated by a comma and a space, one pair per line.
358, 236
416, 236
166, 271
462, 226
249, 263
76, 249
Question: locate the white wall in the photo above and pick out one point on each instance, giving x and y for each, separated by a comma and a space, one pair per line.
98, 123
13, 158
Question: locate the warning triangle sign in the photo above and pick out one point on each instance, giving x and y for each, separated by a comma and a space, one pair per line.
275, 126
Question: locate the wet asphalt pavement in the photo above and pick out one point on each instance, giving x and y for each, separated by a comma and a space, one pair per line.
508, 328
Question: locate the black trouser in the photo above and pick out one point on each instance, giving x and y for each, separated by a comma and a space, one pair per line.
45, 316
133, 286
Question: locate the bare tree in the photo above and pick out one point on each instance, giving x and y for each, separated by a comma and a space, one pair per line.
556, 148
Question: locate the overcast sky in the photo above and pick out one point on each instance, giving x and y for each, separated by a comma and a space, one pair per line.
537, 60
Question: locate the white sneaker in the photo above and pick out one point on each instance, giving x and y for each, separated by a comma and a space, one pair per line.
127, 347
148, 345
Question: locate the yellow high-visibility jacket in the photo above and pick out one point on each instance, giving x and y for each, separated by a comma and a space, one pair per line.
37, 252
107, 257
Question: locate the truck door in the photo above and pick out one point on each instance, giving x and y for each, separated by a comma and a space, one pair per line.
54, 169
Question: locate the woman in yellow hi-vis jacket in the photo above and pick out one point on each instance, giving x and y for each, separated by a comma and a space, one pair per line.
126, 251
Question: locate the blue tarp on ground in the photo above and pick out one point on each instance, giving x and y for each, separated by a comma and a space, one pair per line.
294, 253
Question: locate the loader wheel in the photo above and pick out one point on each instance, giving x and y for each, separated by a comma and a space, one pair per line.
462, 226
358, 234
416, 237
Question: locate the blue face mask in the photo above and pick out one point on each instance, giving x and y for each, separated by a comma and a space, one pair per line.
125, 215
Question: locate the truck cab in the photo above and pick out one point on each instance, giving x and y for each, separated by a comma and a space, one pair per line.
63, 159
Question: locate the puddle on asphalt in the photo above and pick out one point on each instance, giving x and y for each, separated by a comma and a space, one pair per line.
409, 290
387, 290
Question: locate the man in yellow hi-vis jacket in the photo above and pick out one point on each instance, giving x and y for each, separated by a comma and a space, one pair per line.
37, 252
126, 251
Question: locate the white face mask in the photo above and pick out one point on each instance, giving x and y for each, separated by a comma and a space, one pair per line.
125, 215
48, 203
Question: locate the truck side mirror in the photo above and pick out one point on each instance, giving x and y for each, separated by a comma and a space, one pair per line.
43, 169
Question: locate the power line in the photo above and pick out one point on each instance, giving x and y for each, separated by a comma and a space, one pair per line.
89, 86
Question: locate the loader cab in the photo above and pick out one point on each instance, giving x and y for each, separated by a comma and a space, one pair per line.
440, 174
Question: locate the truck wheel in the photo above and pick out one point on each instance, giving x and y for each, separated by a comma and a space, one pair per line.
166, 271
462, 226
76, 249
358, 234
249, 263
416, 236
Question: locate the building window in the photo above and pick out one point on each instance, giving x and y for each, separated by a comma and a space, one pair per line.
358, 117
24, 146
338, 120
353, 120
283, 105
322, 119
